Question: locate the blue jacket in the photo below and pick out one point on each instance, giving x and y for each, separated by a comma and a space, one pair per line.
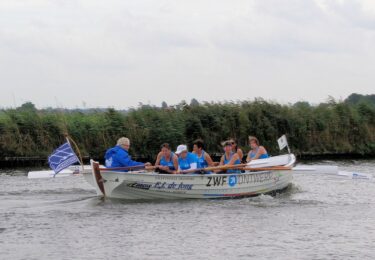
119, 157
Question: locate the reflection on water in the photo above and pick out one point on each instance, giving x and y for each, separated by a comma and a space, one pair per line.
316, 217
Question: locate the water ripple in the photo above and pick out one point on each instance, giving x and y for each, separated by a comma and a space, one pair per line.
317, 217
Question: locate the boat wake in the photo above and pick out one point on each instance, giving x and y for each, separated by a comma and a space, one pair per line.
60, 191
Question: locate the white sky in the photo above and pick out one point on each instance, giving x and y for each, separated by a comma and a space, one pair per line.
117, 53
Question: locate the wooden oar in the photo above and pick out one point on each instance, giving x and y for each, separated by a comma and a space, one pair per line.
273, 168
129, 168
224, 167
213, 168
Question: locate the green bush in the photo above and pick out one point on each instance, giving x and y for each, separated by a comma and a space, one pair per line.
332, 127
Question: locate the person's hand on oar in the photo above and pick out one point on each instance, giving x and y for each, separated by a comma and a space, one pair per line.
272, 168
213, 169
164, 169
150, 167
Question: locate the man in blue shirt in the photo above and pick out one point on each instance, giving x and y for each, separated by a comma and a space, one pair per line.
118, 156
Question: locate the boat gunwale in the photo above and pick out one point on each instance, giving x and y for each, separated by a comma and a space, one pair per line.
247, 172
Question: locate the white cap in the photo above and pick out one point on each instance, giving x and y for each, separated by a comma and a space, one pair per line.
181, 148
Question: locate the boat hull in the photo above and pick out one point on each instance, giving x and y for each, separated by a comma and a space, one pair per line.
150, 186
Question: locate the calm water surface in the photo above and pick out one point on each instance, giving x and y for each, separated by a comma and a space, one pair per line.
318, 217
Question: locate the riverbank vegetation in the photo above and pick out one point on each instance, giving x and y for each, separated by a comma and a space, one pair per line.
332, 127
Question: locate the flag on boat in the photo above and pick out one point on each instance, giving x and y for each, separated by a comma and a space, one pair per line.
62, 158
282, 142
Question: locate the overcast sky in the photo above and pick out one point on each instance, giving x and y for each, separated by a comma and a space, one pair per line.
117, 53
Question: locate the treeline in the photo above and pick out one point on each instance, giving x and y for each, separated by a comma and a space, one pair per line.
328, 128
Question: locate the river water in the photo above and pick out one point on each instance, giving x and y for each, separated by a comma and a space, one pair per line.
318, 217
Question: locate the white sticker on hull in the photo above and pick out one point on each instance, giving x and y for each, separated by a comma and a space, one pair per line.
161, 186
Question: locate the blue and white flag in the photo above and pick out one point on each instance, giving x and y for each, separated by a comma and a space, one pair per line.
62, 158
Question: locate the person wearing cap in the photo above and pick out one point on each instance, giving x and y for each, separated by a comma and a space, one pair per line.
118, 156
257, 151
186, 160
166, 160
204, 159
229, 157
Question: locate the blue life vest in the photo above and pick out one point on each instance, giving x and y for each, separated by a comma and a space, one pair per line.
262, 156
226, 161
185, 163
202, 163
164, 162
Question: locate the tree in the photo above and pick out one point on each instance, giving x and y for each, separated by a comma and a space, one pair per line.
164, 105
194, 102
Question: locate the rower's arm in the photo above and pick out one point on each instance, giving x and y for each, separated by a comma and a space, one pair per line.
208, 159
175, 162
125, 160
240, 154
158, 158
221, 161
248, 159
235, 157
261, 151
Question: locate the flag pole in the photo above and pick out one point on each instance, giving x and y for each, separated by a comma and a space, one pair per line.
68, 139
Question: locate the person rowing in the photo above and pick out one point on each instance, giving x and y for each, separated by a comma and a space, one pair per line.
236, 149
166, 160
118, 156
204, 159
186, 160
229, 157
257, 151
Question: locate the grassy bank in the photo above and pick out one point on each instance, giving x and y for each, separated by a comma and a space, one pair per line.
345, 127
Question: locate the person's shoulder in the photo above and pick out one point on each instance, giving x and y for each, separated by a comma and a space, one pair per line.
121, 151
112, 148
109, 150
193, 156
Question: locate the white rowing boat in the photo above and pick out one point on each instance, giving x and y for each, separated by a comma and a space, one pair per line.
151, 185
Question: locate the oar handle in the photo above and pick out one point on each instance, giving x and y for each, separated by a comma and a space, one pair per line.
224, 167
274, 168
213, 168
129, 168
